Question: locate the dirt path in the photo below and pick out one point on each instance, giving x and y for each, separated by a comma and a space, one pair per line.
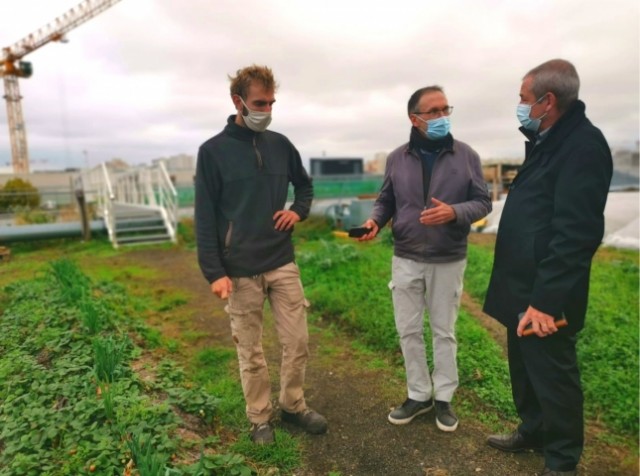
356, 398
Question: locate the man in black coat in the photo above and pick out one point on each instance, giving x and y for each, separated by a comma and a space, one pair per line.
552, 223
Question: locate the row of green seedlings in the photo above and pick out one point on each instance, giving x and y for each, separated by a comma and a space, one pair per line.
109, 358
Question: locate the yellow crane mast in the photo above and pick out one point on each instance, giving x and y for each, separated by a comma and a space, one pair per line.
12, 67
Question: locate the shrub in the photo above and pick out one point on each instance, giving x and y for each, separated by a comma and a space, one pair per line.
18, 193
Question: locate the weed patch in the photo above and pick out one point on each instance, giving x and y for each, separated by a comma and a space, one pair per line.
70, 404
347, 286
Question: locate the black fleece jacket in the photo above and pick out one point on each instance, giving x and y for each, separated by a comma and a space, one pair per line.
242, 180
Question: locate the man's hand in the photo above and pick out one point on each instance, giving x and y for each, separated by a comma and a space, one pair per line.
439, 214
542, 324
222, 287
285, 219
374, 230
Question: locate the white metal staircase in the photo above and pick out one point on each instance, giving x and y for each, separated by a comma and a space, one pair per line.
138, 206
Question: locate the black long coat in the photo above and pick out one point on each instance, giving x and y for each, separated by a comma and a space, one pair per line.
552, 223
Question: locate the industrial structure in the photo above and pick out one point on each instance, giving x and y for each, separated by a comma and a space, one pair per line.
12, 67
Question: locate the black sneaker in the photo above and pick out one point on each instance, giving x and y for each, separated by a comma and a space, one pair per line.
309, 420
409, 410
445, 418
262, 433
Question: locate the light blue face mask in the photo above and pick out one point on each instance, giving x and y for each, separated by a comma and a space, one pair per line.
437, 128
523, 112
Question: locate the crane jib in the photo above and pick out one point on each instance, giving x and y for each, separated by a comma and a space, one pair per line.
10, 71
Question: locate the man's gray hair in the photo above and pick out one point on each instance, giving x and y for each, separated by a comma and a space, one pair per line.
559, 77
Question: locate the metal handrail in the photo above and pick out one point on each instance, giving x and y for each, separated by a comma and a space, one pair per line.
107, 197
143, 186
97, 186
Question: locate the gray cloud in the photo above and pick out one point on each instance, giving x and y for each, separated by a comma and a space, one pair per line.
149, 78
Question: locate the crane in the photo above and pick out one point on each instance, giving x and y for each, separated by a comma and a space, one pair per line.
12, 67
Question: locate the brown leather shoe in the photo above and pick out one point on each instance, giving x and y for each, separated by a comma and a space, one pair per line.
262, 434
552, 472
512, 443
310, 421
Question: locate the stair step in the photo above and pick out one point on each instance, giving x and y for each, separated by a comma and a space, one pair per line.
135, 216
139, 221
149, 222
139, 229
139, 239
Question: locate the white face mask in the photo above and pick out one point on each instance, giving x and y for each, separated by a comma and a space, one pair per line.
255, 120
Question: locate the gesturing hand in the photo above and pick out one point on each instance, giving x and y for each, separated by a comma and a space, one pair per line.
439, 214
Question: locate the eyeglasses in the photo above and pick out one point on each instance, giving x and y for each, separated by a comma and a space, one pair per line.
445, 111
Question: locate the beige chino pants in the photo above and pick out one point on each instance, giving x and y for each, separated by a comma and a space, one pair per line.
283, 288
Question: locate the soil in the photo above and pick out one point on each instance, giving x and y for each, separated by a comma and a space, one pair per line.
356, 398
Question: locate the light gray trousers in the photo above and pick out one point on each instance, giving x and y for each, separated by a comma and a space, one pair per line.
436, 287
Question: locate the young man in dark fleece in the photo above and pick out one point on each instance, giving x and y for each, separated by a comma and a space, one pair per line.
245, 250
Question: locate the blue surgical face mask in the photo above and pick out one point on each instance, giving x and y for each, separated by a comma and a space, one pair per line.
437, 128
523, 112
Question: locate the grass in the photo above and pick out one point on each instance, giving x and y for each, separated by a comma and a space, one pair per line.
325, 268
46, 354
608, 346
72, 379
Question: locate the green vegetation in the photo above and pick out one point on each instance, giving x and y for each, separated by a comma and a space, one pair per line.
88, 386
18, 194
327, 265
71, 403
608, 347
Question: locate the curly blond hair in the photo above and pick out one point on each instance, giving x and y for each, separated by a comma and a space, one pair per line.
241, 82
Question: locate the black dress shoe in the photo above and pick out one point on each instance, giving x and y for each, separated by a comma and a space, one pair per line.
513, 443
552, 472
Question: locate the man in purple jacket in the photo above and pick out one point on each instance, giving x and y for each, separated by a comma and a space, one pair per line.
433, 190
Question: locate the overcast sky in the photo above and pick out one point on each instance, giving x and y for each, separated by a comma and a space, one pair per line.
148, 78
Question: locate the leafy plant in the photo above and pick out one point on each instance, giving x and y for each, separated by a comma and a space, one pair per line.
109, 354
91, 316
148, 461
219, 464
26, 215
107, 393
48, 370
18, 193
73, 285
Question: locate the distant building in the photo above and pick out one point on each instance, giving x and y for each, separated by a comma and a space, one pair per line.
626, 160
181, 168
626, 169
177, 162
498, 174
116, 165
336, 166
377, 165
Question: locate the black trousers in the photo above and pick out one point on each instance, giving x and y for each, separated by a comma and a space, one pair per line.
545, 382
